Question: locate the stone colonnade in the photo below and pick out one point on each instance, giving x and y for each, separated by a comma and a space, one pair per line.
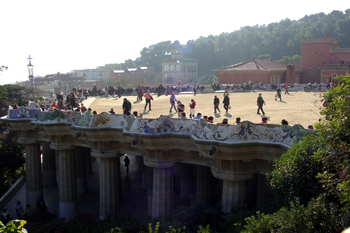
157, 178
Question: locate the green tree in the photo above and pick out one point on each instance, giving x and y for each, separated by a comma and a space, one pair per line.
334, 136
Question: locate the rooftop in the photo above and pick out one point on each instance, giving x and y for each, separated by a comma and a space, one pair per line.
256, 65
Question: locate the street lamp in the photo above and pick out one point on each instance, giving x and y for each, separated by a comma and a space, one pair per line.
30, 72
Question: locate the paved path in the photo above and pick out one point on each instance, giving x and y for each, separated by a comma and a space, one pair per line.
298, 107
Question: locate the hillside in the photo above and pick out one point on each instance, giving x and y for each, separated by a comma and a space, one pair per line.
280, 41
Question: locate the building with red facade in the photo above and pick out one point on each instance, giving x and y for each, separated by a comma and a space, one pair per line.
320, 60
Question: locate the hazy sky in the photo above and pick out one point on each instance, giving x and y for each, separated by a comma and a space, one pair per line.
66, 35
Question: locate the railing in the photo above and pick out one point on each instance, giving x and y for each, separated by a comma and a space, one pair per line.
200, 130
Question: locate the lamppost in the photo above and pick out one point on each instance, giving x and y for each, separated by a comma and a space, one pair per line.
30, 74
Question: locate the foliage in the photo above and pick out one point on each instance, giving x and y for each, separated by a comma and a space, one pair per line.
12, 160
334, 136
294, 174
282, 41
13, 226
317, 216
313, 175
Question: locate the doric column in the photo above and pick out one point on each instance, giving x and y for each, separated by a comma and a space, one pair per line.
163, 191
88, 165
80, 169
261, 191
67, 186
233, 194
34, 180
203, 178
109, 183
149, 188
187, 184
142, 169
49, 165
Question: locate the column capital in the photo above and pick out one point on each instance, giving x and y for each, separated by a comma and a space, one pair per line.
56, 146
230, 175
105, 154
158, 164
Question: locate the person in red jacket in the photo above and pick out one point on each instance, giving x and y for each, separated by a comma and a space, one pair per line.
192, 108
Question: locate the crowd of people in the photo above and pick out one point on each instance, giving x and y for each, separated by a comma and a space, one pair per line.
21, 213
72, 100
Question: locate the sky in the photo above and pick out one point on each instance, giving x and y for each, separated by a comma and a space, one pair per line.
81, 34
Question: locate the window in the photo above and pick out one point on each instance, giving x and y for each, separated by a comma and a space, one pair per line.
334, 75
310, 67
315, 54
166, 68
318, 67
321, 54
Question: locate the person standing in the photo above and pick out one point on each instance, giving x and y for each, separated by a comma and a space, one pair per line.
260, 102
172, 102
19, 209
286, 88
192, 108
216, 104
148, 98
126, 106
194, 89
226, 102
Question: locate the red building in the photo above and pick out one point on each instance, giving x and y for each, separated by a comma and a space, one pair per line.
265, 71
320, 59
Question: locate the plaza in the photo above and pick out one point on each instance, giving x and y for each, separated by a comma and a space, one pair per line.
298, 107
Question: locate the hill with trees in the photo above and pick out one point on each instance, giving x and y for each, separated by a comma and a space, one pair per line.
279, 41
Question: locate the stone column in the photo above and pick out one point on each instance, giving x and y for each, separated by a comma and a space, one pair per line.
261, 191
49, 165
149, 188
203, 178
109, 183
187, 184
80, 169
88, 165
142, 169
34, 179
67, 186
233, 194
163, 191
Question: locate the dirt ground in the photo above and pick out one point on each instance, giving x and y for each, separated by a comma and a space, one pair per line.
298, 107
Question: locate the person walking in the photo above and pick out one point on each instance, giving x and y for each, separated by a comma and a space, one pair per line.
260, 102
127, 163
126, 106
278, 94
172, 102
226, 102
216, 104
148, 98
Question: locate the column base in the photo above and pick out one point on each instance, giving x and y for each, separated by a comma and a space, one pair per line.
149, 202
68, 210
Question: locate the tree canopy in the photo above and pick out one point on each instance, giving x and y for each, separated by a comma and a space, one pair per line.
279, 41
